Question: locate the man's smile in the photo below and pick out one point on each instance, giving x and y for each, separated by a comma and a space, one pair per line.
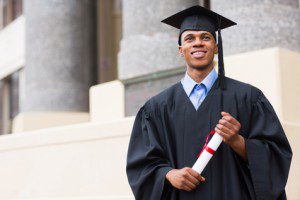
198, 53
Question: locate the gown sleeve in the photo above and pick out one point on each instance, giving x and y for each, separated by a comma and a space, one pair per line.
268, 151
147, 165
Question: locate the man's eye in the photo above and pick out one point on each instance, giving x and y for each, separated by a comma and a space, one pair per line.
189, 39
206, 38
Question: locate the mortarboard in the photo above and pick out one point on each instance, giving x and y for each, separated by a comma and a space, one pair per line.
199, 18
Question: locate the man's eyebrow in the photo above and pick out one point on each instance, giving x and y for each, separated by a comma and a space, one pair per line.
206, 34
193, 34
188, 35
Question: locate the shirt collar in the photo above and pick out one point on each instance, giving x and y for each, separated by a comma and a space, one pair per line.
189, 84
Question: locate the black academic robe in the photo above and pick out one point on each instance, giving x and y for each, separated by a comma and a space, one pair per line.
169, 133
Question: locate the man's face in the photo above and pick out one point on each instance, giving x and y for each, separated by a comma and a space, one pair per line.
198, 48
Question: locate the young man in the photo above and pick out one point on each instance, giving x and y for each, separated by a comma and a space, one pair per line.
171, 128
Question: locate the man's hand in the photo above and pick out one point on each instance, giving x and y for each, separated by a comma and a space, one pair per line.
228, 127
184, 179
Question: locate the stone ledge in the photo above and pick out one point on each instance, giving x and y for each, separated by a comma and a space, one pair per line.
84, 161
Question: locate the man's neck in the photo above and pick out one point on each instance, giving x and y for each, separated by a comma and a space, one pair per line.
198, 75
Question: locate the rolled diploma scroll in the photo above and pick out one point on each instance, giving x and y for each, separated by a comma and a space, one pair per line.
205, 156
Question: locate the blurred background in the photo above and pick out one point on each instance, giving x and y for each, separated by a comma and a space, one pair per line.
73, 73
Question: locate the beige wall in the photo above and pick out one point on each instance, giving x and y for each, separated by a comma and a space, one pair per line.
293, 186
28, 121
275, 71
84, 161
107, 101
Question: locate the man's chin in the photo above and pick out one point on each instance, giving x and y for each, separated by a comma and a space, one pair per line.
200, 67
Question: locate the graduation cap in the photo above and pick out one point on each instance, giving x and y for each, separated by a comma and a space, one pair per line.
200, 18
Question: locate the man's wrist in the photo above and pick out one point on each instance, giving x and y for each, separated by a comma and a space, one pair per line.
236, 142
167, 177
168, 174
238, 145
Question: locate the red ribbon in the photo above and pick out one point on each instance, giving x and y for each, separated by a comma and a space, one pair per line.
205, 147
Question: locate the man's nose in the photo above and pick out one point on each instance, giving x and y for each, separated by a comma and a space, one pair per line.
198, 42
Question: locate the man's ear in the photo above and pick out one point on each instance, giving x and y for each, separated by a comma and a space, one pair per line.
216, 49
180, 50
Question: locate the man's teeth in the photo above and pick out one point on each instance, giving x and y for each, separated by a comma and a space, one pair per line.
198, 53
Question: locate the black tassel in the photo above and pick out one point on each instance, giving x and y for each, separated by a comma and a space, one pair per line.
221, 62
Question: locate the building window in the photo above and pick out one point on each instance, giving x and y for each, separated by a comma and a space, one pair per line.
10, 10
5, 107
109, 34
9, 102
17, 8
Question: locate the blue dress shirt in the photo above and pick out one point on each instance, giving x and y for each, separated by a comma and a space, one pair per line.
198, 91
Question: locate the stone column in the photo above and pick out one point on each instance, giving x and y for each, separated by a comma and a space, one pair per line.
261, 24
148, 61
60, 55
148, 45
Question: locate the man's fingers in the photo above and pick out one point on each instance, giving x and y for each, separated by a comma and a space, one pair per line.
189, 184
196, 175
200, 178
225, 113
186, 188
226, 123
193, 179
229, 118
224, 135
193, 172
188, 175
225, 129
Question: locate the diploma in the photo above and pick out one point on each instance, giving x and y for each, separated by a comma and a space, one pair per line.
207, 153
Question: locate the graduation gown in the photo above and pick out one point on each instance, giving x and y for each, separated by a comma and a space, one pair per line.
169, 133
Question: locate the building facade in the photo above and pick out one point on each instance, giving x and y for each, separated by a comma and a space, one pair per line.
73, 72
